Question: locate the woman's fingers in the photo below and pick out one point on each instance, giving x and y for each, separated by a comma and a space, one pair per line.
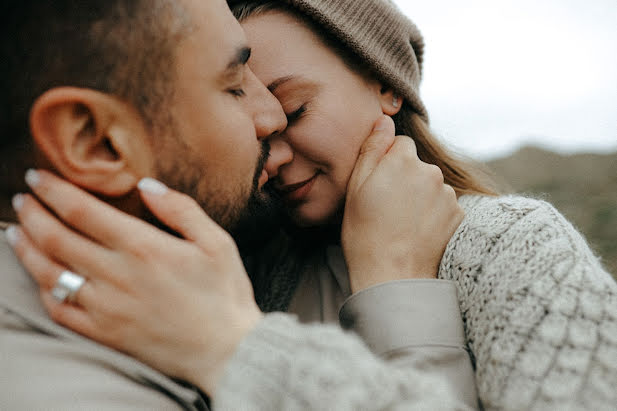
70, 316
117, 230
44, 270
180, 213
372, 151
55, 240
84, 212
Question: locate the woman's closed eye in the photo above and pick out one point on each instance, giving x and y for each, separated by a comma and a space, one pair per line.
295, 115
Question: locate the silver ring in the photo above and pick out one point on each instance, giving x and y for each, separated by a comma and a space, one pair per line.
67, 286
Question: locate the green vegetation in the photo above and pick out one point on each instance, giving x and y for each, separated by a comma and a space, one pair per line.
582, 186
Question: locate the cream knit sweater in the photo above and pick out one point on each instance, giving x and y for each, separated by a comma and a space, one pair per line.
540, 316
540, 312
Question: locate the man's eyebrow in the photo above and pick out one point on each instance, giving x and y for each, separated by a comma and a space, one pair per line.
237, 62
240, 59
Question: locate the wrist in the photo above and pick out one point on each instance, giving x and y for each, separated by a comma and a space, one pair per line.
208, 373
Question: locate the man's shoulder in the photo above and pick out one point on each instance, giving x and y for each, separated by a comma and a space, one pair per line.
42, 371
18, 292
46, 366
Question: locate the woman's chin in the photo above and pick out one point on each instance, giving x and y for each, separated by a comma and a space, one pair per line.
305, 217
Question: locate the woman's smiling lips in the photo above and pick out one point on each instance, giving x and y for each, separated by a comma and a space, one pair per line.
298, 191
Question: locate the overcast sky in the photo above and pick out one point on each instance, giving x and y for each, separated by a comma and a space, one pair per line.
501, 73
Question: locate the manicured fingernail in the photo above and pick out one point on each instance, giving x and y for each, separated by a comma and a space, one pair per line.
12, 235
152, 186
18, 202
381, 124
32, 177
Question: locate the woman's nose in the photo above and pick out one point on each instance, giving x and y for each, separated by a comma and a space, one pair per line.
280, 154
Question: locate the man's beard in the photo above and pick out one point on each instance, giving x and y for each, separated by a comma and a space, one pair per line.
250, 221
263, 213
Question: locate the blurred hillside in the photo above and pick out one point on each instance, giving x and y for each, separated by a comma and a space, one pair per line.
582, 186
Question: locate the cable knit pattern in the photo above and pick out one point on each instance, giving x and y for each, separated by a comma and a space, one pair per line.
540, 312
283, 365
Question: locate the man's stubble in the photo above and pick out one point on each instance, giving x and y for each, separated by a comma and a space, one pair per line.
248, 213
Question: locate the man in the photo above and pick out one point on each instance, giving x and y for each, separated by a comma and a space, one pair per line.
105, 93
113, 91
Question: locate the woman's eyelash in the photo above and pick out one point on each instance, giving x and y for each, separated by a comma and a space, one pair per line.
291, 117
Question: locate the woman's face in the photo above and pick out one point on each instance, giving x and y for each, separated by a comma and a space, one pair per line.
331, 110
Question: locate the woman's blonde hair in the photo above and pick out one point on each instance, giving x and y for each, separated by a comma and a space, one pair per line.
465, 176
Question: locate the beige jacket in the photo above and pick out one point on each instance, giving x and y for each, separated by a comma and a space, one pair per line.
44, 366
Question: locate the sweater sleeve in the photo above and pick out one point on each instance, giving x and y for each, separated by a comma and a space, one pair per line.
285, 365
539, 310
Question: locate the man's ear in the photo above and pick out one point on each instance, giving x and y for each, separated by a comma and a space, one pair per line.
391, 102
92, 139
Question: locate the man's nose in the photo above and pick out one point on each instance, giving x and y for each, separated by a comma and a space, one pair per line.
280, 154
269, 117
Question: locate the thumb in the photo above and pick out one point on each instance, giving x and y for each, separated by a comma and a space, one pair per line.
372, 151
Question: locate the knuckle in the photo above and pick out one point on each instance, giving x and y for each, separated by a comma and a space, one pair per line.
369, 146
400, 144
434, 174
143, 252
103, 310
225, 242
451, 193
139, 248
222, 245
46, 278
51, 242
192, 253
409, 143
404, 153
73, 213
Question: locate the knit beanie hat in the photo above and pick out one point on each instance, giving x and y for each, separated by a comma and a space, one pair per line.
379, 34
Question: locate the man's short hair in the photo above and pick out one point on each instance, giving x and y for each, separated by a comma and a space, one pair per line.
121, 47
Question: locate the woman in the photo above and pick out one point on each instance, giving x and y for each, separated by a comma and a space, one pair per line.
516, 261
539, 311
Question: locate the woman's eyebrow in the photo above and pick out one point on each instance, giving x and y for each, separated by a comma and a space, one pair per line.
278, 82
299, 81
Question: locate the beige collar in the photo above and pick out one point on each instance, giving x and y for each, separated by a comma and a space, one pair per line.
4, 225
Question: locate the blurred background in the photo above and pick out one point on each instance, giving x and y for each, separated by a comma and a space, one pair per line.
530, 89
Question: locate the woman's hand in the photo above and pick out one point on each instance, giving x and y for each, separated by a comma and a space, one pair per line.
179, 305
399, 214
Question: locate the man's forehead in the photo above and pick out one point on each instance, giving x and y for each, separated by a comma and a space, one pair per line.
216, 28
210, 13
